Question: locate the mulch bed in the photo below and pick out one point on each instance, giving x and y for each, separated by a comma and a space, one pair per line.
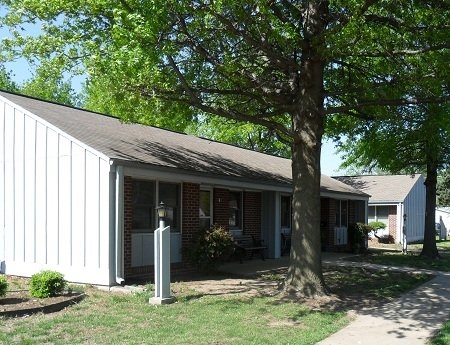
20, 303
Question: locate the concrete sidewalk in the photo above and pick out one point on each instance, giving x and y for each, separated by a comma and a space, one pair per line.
411, 319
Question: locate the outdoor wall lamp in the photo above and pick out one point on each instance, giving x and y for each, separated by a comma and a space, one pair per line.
162, 210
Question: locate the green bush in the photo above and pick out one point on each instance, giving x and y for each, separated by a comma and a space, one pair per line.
358, 236
377, 225
47, 284
3, 285
210, 247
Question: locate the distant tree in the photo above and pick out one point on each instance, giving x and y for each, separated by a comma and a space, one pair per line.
6, 82
416, 139
443, 189
48, 83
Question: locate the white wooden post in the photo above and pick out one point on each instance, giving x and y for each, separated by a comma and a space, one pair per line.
162, 265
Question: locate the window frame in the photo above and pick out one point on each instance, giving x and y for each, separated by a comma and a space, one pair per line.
211, 207
240, 208
286, 229
339, 213
156, 200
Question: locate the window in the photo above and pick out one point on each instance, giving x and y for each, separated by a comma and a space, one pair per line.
169, 194
341, 213
235, 207
144, 202
286, 212
379, 213
143, 205
205, 209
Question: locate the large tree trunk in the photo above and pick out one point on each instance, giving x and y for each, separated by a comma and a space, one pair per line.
429, 249
305, 269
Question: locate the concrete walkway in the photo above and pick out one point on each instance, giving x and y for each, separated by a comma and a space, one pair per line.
411, 319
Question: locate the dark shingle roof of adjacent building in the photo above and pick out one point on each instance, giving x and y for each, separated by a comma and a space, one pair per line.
134, 143
382, 188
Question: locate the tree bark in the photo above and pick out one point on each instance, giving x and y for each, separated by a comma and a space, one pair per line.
305, 268
429, 249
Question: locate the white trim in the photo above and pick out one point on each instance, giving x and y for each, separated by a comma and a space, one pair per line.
148, 173
58, 130
119, 226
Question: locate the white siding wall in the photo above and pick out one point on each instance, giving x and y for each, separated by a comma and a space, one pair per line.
414, 207
54, 201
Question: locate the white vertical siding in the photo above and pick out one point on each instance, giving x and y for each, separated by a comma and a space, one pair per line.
78, 206
414, 207
2, 189
9, 182
54, 203
40, 195
30, 188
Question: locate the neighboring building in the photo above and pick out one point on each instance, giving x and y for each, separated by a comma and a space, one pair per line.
443, 219
391, 198
78, 192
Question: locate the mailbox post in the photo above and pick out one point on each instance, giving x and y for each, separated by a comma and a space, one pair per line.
162, 260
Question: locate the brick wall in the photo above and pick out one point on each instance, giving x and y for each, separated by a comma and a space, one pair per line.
327, 222
128, 222
392, 217
221, 207
191, 205
252, 214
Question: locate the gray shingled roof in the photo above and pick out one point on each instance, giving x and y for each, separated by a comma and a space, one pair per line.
134, 143
382, 188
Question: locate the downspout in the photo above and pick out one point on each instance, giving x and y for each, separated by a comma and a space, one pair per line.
119, 226
400, 213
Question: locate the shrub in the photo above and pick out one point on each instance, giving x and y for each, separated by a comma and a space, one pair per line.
3, 285
358, 233
47, 284
210, 247
377, 225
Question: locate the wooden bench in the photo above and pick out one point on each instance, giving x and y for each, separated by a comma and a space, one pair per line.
247, 245
285, 244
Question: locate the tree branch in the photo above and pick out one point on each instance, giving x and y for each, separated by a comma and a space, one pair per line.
386, 102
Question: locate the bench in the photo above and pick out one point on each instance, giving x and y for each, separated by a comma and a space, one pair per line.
285, 244
247, 245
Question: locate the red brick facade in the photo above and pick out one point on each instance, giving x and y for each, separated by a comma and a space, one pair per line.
191, 220
251, 218
392, 217
127, 221
221, 207
191, 205
252, 214
328, 222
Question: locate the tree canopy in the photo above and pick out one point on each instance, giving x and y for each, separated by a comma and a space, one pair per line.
282, 65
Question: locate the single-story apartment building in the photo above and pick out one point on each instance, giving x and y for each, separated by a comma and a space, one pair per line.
443, 219
392, 197
78, 192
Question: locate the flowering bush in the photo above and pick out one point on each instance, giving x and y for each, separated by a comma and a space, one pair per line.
210, 247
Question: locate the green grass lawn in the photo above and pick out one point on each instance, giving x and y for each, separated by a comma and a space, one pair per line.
392, 256
196, 318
